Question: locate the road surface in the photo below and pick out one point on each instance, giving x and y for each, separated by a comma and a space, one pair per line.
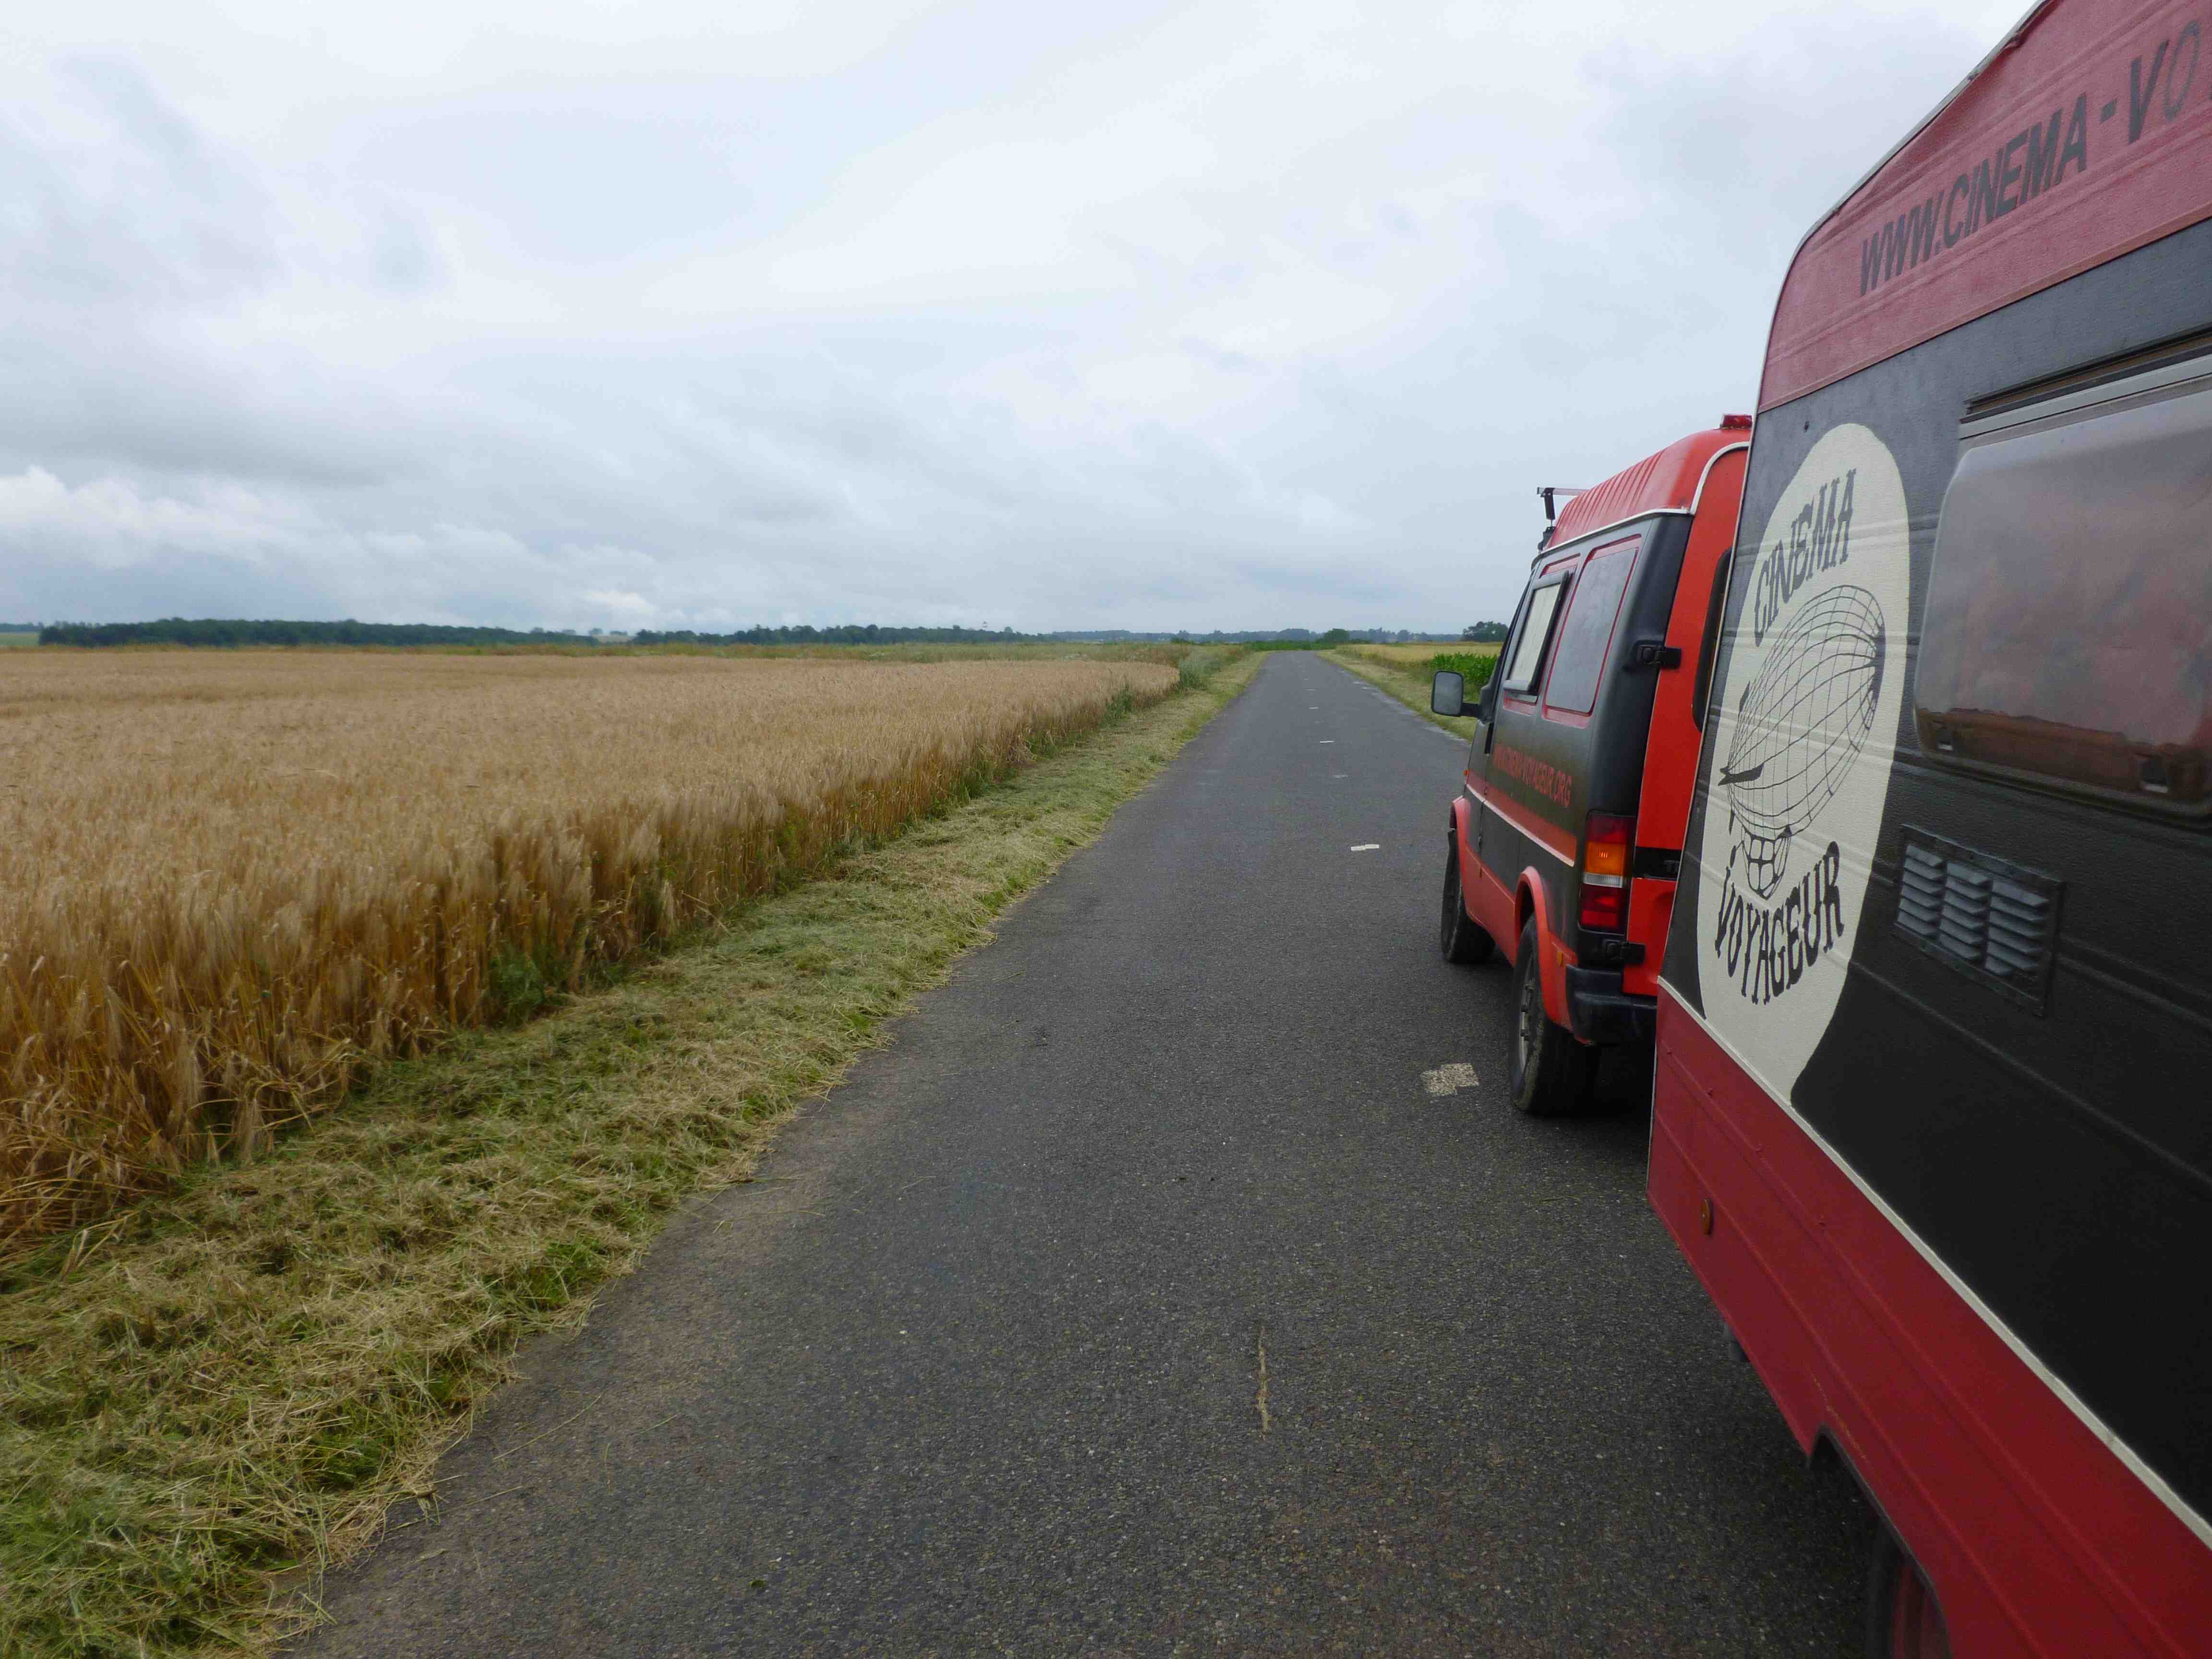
1141, 1297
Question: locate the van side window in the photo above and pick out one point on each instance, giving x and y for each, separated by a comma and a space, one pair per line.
1527, 658
2068, 635
1587, 630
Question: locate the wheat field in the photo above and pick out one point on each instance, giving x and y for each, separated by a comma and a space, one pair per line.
227, 883
1417, 657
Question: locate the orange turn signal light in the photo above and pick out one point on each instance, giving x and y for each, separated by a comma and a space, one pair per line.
1607, 842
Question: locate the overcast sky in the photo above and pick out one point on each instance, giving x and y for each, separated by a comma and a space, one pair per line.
1205, 315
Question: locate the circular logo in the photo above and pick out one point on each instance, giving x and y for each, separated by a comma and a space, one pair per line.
1804, 736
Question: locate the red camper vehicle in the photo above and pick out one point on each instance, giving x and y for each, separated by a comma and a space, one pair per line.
1933, 1111
1562, 846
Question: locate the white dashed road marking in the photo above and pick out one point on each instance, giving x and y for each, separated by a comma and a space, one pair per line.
1449, 1079
1369, 846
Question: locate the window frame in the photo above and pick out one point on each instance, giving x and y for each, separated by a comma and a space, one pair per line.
1630, 547
1529, 689
1994, 421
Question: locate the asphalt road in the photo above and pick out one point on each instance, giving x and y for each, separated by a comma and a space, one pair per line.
980, 1370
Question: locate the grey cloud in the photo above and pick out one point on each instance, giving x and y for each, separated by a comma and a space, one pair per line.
131, 206
1021, 317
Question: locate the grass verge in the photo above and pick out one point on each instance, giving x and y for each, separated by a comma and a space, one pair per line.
1406, 680
210, 1397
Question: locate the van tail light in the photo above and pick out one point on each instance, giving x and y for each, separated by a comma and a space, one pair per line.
1607, 845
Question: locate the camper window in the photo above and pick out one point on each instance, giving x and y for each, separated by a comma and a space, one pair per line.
2067, 636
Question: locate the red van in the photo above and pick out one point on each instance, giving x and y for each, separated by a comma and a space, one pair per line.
1562, 845
1933, 1112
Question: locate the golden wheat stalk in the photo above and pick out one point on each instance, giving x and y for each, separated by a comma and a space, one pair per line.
228, 882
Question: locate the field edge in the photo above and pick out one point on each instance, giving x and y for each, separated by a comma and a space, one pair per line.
1409, 686
219, 1394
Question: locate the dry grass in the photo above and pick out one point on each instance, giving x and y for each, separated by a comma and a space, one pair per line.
1405, 672
916, 651
210, 1395
1414, 658
227, 883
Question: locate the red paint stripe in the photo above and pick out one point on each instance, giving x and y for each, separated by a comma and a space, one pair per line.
1549, 837
2036, 1537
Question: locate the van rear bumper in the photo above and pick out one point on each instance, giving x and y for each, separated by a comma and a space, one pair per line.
1600, 1012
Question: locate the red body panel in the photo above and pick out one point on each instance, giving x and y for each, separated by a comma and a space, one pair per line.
1500, 911
1665, 483
1670, 763
1670, 756
1651, 908
2137, 75
2036, 1537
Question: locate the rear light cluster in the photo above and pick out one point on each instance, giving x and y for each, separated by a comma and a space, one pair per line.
1605, 849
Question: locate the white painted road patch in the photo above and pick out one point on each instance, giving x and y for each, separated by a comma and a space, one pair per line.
1449, 1079
1369, 846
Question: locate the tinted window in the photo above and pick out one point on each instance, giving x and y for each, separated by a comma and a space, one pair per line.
2068, 628
1587, 631
1536, 632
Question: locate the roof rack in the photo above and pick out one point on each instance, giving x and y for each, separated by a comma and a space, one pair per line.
1550, 494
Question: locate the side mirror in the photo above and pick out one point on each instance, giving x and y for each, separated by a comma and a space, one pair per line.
1448, 693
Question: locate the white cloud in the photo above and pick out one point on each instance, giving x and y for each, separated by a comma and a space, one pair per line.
1156, 315
109, 524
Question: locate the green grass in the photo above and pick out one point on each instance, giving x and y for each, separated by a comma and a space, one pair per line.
1475, 668
210, 1397
1409, 680
17, 641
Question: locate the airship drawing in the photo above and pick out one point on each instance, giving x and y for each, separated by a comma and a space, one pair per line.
1801, 726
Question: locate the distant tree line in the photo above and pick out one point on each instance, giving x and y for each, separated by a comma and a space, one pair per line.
842, 634
233, 632
1280, 638
213, 631
1487, 633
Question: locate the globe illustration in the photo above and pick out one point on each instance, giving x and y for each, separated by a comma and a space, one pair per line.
1800, 725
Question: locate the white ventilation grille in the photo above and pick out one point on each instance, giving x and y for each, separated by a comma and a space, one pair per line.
1920, 893
1992, 920
2020, 930
1965, 927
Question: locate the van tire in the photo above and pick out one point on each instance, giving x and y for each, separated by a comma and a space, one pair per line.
1462, 940
1551, 1073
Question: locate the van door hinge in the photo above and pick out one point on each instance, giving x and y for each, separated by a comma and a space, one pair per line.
1655, 653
